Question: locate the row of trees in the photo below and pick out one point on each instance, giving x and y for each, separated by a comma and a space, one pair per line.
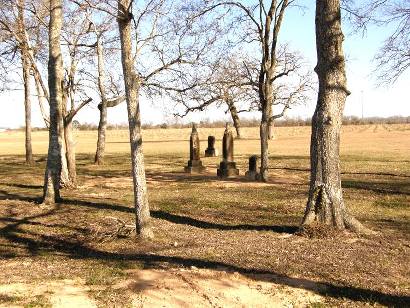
237, 62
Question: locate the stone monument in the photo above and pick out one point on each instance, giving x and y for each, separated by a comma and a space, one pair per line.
227, 167
194, 162
211, 151
253, 174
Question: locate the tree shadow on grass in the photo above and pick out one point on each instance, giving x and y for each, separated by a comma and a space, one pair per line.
392, 188
23, 185
186, 220
37, 243
343, 172
170, 217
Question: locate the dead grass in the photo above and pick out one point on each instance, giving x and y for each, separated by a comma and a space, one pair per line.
200, 221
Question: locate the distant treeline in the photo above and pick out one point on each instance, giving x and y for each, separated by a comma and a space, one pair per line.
348, 120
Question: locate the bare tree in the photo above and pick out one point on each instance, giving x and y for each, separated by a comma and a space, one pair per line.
24, 50
106, 102
14, 41
55, 82
260, 23
393, 57
74, 51
132, 89
325, 205
224, 82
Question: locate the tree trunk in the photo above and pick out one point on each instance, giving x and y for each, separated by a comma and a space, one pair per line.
271, 132
55, 79
24, 49
27, 108
70, 154
42, 100
102, 125
64, 174
99, 154
235, 118
264, 133
132, 84
325, 205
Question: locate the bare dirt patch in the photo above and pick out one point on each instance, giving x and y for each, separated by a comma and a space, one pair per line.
158, 288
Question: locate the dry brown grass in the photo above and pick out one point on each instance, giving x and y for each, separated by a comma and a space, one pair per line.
201, 221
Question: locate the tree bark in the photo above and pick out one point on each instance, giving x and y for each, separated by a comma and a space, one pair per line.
27, 109
266, 103
235, 118
325, 204
70, 154
102, 125
24, 49
55, 80
132, 86
271, 132
42, 100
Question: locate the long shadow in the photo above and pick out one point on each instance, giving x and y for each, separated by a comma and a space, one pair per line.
345, 172
79, 251
4, 195
23, 185
185, 220
381, 188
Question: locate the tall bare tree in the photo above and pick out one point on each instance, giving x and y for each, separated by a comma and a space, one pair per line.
132, 92
24, 51
15, 41
106, 102
325, 205
260, 23
55, 82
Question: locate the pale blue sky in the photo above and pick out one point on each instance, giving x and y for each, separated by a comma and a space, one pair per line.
298, 30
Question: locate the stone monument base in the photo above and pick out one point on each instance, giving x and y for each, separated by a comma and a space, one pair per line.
194, 166
211, 152
227, 169
252, 175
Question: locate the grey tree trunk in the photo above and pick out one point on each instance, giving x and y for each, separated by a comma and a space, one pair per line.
271, 132
70, 154
235, 118
55, 79
325, 205
102, 125
42, 100
132, 86
24, 50
64, 175
264, 131
27, 108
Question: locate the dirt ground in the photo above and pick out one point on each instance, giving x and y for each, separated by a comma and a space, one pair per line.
230, 243
190, 287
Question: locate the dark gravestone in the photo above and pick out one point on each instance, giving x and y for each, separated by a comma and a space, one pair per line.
253, 174
194, 162
227, 167
211, 151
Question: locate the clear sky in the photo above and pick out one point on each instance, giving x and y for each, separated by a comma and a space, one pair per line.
298, 30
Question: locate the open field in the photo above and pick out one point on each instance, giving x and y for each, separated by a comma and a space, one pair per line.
217, 243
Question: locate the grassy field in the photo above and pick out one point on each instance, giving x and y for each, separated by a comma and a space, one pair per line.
204, 223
